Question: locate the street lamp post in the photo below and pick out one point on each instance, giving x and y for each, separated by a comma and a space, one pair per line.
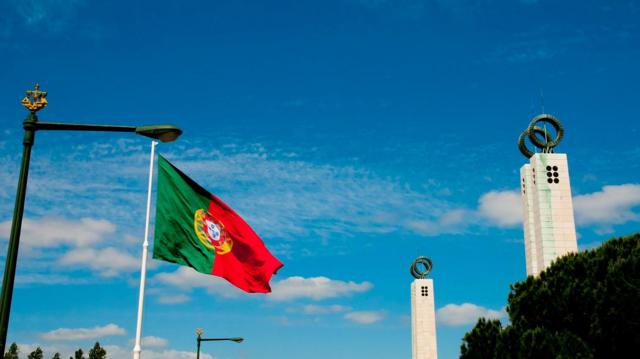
34, 101
199, 339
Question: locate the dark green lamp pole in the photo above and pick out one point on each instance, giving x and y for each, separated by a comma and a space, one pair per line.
35, 100
199, 339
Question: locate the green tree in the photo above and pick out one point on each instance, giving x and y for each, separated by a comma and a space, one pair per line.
97, 352
56, 356
583, 306
36, 354
79, 354
13, 351
481, 341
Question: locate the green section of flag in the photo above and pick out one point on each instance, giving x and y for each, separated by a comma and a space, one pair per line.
175, 240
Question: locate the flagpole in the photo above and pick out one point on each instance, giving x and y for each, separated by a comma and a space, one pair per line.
145, 248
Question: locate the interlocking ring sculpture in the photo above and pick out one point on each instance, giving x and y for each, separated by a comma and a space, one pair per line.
539, 136
418, 273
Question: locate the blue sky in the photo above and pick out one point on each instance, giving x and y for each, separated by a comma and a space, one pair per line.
353, 135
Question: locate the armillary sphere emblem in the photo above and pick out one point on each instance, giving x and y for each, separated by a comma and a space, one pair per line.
540, 135
421, 267
35, 100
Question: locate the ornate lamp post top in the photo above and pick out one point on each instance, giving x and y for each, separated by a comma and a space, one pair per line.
35, 100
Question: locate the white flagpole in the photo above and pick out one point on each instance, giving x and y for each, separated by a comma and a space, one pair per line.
145, 249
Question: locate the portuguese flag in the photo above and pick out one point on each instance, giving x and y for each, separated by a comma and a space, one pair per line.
195, 228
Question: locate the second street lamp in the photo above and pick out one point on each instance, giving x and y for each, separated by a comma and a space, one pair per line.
34, 101
164, 133
199, 339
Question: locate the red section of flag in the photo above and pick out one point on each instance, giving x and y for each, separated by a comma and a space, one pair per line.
249, 266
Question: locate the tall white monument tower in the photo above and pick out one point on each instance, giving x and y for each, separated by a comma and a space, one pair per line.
549, 226
423, 313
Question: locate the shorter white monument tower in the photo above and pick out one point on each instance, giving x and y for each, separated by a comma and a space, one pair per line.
549, 226
423, 313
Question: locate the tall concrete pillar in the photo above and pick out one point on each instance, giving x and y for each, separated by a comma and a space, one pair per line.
423, 312
549, 225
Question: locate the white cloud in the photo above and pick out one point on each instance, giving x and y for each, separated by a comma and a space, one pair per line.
173, 299
465, 314
612, 205
113, 351
167, 354
324, 309
107, 261
83, 333
154, 342
54, 232
502, 208
365, 317
187, 279
316, 288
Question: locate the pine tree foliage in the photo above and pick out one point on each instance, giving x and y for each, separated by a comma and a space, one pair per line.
79, 354
97, 352
482, 340
36, 354
583, 306
13, 351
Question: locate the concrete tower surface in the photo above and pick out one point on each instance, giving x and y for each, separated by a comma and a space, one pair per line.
549, 226
423, 314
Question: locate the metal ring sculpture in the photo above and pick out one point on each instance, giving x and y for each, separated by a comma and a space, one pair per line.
545, 143
416, 272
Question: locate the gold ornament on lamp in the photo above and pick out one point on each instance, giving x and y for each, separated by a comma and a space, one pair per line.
35, 100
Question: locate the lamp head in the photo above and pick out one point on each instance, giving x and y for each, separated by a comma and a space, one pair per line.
164, 133
237, 340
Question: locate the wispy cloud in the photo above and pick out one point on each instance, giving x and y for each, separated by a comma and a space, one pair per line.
282, 196
49, 279
187, 279
68, 184
173, 299
55, 15
365, 317
289, 198
522, 52
315, 288
83, 333
116, 351
154, 342
108, 261
465, 314
324, 309
54, 232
